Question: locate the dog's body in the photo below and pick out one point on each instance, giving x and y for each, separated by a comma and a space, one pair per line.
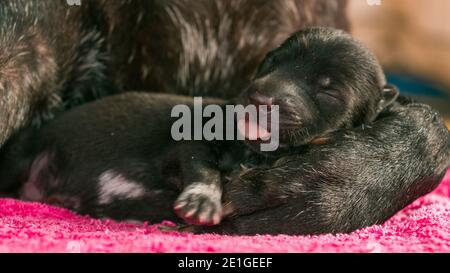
54, 56
116, 158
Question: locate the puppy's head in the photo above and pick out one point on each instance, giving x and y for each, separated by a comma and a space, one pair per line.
322, 80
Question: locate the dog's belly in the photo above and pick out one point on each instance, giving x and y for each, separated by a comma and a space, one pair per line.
136, 193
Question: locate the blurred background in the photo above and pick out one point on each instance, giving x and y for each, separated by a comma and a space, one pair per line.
412, 40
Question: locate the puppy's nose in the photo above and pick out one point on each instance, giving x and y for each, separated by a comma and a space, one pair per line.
257, 99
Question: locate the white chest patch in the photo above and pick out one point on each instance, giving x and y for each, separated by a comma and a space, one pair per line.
113, 186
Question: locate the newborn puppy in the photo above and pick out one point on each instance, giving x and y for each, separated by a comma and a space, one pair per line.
116, 157
361, 177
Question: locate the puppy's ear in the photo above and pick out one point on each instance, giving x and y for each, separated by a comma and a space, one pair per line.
390, 95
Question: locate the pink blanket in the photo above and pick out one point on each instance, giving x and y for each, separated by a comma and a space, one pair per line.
26, 227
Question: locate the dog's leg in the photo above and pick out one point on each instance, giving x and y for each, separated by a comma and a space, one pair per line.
200, 202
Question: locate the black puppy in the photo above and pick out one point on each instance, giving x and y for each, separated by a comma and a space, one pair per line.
120, 163
360, 177
114, 158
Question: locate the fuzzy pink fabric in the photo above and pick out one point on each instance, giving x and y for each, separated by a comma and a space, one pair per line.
27, 227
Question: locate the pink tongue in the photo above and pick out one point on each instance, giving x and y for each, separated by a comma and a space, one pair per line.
252, 130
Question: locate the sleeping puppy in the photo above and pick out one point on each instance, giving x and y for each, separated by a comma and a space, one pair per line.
113, 158
116, 158
359, 178
322, 80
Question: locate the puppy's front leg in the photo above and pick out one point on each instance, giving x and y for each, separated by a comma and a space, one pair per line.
200, 203
253, 202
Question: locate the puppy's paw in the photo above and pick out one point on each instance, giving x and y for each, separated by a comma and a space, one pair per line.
200, 204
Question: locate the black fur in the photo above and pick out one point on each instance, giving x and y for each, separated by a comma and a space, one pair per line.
123, 141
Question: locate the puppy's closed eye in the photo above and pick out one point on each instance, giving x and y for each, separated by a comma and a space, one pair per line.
326, 90
328, 94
